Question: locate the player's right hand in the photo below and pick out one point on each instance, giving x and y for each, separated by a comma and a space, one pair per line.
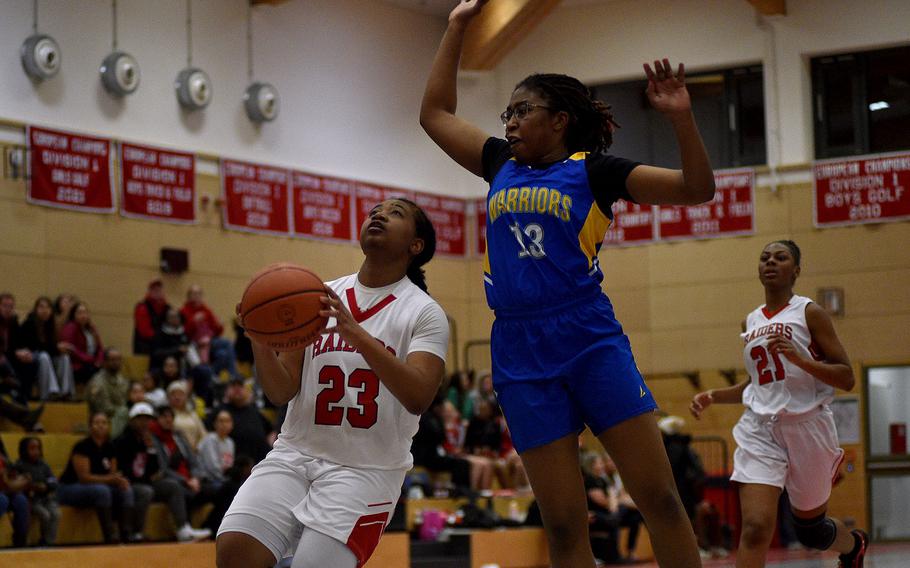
700, 402
466, 10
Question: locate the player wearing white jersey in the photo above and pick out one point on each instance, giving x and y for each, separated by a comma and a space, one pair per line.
786, 438
327, 489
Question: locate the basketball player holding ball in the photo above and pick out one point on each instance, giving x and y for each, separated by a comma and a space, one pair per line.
786, 437
329, 486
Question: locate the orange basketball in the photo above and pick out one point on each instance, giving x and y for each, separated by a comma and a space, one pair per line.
280, 307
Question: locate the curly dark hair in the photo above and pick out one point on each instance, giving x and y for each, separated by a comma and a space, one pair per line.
591, 121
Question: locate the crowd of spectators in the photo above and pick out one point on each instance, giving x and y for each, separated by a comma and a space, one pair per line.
186, 433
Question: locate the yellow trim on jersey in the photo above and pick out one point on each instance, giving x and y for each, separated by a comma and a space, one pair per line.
592, 232
486, 260
578, 156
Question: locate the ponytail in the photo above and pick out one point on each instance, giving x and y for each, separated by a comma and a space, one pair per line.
425, 231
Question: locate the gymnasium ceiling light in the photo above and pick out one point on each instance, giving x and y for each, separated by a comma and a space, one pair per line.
260, 100
119, 70
40, 53
193, 86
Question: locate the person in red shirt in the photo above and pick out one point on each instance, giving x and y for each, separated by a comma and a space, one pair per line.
147, 317
205, 331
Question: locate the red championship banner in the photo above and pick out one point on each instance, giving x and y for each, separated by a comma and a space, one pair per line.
448, 217
480, 216
866, 189
255, 197
68, 170
633, 224
731, 212
369, 196
157, 184
322, 206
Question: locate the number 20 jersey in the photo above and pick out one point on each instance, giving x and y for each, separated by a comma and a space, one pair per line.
545, 226
343, 413
778, 386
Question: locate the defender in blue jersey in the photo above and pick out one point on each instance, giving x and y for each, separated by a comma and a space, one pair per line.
560, 359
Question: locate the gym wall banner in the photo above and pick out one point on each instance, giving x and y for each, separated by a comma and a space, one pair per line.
322, 206
255, 197
368, 196
157, 184
864, 189
731, 212
633, 224
480, 212
448, 217
70, 171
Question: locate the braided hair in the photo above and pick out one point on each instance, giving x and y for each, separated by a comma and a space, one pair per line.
791, 246
591, 122
427, 232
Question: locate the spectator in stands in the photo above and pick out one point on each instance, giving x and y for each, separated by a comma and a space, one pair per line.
627, 514
205, 331
169, 372
509, 469
171, 341
144, 466
41, 487
182, 463
252, 434
482, 465
148, 317
428, 447
41, 355
92, 479
154, 393
186, 421
484, 390
108, 389
243, 349
87, 351
459, 393
9, 327
603, 508
12, 498
217, 449
136, 393
687, 468
62, 306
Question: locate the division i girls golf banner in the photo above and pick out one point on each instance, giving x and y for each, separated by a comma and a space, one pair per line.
72, 171
865, 189
731, 212
157, 184
255, 197
322, 206
448, 217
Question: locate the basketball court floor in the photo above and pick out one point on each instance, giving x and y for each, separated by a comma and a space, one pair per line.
880, 556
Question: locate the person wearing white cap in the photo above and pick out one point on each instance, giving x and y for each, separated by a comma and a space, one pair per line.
143, 464
186, 421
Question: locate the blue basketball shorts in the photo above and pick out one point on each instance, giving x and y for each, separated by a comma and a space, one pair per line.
558, 369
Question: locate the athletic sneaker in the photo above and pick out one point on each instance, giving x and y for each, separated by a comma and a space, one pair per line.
855, 558
186, 533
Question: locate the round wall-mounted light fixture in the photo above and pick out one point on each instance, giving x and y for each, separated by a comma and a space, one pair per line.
261, 102
40, 57
194, 88
120, 73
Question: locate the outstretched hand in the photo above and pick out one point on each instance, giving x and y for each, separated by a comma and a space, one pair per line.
466, 10
666, 91
700, 402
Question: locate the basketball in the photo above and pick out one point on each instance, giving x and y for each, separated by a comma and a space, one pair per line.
280, 307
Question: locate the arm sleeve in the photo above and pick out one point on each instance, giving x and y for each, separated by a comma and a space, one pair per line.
496, 152
607, 177
431, 332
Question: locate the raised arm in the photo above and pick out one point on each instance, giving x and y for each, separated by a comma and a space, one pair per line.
458, 138
694, 183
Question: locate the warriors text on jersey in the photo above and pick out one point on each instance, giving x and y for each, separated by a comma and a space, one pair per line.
343, 412
545, 225
778, 386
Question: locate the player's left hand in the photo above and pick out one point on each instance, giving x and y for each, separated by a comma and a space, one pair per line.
779, 344
667, 92
345, 324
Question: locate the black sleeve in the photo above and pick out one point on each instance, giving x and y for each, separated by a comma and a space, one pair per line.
607, 176
496, 152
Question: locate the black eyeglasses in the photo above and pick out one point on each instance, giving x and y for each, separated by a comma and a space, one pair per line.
520, 111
